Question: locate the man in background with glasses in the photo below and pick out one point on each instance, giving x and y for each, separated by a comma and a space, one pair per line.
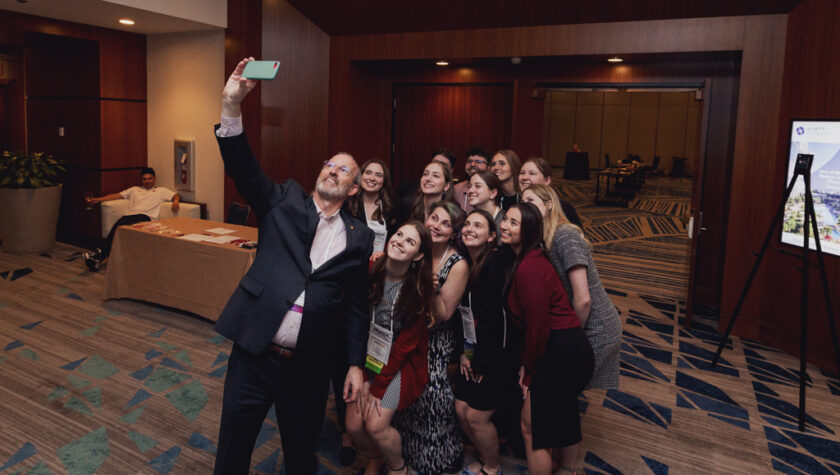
307, 288
477, 159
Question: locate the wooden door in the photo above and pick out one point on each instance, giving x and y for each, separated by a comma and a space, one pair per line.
710, 196
455, 116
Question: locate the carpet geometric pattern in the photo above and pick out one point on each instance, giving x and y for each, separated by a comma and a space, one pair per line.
92, 386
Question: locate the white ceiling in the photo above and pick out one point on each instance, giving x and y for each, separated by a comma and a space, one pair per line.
106, 13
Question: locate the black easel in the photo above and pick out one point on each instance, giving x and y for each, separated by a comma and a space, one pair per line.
803, 169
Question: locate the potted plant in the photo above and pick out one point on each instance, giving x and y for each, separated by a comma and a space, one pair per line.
30, 197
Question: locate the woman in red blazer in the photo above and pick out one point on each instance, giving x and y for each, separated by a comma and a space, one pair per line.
401, 294
557, 361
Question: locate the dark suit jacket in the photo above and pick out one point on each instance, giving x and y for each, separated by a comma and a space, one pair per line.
336, 303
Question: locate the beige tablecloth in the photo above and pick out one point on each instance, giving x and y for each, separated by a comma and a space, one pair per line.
148, 262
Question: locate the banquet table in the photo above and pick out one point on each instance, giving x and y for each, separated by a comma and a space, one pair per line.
577, 166
166, 262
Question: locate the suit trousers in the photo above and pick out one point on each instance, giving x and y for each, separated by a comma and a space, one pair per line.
298, 389
338, 375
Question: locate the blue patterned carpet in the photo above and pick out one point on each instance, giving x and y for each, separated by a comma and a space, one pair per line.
127, 387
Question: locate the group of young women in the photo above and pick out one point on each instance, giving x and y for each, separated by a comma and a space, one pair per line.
480, 305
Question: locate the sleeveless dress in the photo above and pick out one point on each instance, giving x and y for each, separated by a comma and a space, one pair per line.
430, 438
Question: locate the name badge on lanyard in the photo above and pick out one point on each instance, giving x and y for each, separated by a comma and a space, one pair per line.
468, 322
379, 344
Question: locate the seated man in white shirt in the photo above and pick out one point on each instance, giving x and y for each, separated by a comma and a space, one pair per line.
144, 205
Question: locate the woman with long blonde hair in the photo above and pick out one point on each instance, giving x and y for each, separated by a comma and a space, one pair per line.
570, 253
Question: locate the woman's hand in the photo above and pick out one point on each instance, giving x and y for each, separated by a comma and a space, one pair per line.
466, 368
376, 256
374, 404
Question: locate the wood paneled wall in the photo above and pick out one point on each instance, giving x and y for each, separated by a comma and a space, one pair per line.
285, 119
811, 89
360, 95
360, 107
294, 104
428, 116
91, 82
243, 38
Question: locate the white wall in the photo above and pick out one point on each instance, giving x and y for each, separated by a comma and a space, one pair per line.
185, 76
211, 12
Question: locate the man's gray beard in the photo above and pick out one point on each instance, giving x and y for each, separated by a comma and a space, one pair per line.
335, 194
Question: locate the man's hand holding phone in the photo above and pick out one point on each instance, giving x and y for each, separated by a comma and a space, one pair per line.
236, 88
265, 70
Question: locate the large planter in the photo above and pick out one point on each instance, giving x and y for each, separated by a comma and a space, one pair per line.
28, 218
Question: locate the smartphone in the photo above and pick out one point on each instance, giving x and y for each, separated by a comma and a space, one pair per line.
261, 69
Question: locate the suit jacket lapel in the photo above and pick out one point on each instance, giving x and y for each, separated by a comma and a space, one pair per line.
312, 220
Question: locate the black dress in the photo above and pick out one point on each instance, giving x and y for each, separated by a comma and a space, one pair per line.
498, 342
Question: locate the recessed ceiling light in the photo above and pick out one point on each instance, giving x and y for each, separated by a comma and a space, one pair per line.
126, 21
442, 63
615, 59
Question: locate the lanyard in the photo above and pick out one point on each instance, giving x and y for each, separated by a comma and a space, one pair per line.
468, 321
390, 313
380, 340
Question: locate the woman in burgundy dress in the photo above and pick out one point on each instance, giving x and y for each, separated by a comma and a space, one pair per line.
556, 359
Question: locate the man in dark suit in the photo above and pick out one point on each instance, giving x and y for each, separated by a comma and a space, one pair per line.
306, 289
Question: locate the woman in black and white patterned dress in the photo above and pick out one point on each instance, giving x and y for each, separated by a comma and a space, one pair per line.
431, 440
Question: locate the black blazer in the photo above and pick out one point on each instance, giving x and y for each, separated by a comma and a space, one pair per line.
336, 303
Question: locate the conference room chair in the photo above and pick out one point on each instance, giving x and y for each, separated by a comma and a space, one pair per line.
238, 214
654, 168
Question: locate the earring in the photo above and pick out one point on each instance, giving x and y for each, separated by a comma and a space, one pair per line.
413, 265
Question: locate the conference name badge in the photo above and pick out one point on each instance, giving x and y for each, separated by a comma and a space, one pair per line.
379, 347
468, 322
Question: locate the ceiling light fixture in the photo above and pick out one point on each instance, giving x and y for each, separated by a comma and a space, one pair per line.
615, 59
126, 21
442, 63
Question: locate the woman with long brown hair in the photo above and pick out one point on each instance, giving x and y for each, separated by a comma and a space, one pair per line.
435, 185
487, 381
432, 442
556, 358
506, 166
484, 192
401, 299
373, 203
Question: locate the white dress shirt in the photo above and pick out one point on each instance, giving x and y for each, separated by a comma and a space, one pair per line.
330, 239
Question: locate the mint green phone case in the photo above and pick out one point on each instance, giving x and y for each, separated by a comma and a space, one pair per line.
261, 69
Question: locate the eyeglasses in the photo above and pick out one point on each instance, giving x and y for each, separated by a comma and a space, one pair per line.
477, 161
344, 169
